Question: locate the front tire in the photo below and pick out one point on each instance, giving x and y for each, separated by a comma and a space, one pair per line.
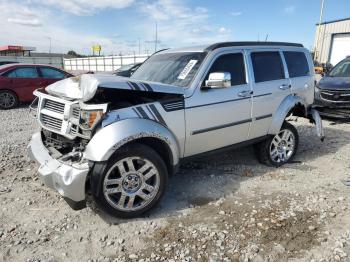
8, 99
279, 149
132, 182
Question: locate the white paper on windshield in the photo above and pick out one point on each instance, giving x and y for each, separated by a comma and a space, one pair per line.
187, 69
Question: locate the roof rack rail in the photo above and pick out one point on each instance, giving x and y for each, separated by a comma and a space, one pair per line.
250, 43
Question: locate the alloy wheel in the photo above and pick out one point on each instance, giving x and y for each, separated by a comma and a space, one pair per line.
131, 184
7, 100
282, 146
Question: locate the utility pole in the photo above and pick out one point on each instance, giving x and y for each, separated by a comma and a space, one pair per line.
139, 46
155, 42
316, 56
50, 45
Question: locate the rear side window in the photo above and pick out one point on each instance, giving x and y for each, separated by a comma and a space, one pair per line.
296, 63
267, 66
24, 72
51, 73
233, 64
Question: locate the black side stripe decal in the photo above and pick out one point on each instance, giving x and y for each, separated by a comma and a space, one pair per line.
227, 101
221, 102
148, 87
150, 111
136, 112
263, 117
221, 126
267, 94
157, 114
130, 85
142, 112
228, 125
135, 86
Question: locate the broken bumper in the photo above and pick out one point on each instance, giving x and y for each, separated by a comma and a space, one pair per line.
315, 115
68, 180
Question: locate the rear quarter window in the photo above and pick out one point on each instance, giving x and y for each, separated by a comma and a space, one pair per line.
267, 66
51, 73
296, 63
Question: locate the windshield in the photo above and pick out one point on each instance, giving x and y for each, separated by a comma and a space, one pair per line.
171, 68
341, 70
125, 67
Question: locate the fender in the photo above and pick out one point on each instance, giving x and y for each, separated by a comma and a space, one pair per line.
110, 138
281, 113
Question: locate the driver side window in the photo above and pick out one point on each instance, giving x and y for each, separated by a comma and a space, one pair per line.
233, 64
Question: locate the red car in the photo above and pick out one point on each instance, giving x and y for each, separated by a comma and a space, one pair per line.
18, 82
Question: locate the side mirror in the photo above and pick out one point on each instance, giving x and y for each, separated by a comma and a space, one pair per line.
218, 80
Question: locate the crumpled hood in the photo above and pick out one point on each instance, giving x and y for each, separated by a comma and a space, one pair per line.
334, 83
84, 87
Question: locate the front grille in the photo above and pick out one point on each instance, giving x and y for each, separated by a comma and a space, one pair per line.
336, 96
76, 112
51, 122
54, 106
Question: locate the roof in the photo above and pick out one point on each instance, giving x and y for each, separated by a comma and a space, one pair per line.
250, 43
334, 21
210, 47
22, 64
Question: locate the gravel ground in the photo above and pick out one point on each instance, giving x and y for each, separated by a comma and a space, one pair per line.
222, 208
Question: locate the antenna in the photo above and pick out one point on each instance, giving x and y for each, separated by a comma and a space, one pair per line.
156, 40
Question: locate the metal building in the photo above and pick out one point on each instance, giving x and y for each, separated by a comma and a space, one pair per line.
332, 41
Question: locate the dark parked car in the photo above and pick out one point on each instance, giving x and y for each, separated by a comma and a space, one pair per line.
18, 82
332, 93
127, 70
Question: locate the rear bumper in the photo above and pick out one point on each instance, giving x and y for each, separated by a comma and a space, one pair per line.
68, 180
316, 118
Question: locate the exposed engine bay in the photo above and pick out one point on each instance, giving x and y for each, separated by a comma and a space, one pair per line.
121, 98
62, 148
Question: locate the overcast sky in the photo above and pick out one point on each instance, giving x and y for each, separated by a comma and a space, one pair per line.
119, 25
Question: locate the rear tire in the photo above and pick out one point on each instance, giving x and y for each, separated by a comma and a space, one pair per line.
132, 182
279, 149
8, 99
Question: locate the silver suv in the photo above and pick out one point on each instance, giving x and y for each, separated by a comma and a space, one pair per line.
121, 138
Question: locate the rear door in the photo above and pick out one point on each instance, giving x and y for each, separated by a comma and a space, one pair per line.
270, 87
49, 75
299, 73
23, 81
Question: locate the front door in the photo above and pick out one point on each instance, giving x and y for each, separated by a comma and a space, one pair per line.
219, 117
23, 81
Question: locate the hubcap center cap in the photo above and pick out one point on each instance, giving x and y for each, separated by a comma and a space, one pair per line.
282, 146
131, 183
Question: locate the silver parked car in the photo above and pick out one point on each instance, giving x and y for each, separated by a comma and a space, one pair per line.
121, 138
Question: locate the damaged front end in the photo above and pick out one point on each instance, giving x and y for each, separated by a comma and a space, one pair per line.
66, 128
71, 112
67, 177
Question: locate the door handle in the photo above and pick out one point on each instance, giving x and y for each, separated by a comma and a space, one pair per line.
285, 86
245, 93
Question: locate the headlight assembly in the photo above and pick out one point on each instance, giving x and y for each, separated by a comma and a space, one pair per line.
88, 118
